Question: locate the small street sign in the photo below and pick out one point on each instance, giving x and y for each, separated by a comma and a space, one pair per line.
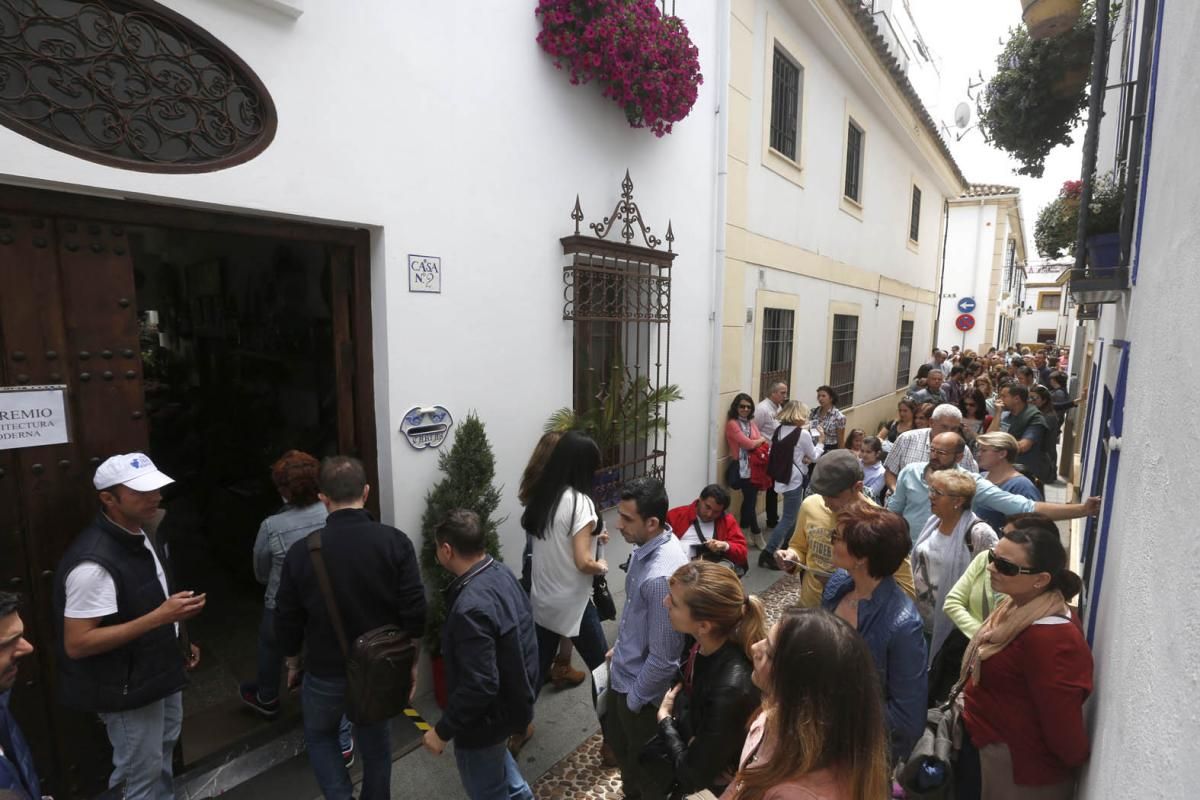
966, 305
964, 322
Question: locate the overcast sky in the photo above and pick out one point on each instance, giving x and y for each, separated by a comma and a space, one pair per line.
965, 36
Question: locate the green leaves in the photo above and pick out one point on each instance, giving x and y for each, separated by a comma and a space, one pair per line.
469, 467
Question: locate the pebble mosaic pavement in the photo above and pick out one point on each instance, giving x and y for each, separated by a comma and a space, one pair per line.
581, 776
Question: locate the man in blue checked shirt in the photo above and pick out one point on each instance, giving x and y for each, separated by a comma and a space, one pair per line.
645, 658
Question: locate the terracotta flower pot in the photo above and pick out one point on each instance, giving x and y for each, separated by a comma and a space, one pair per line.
1047, 18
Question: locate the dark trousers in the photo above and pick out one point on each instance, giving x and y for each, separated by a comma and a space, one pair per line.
748, 518
772, 508
627, 732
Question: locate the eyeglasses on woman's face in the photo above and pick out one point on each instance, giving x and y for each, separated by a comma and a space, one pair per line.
745, 407
1008, 568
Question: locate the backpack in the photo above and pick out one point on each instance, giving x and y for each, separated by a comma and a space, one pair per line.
781, 459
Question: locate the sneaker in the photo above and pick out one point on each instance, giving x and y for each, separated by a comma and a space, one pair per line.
265, 709
766, 560
563, 676
348, 755
760, 541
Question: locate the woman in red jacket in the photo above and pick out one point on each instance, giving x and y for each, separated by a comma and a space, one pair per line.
743, 438
1028, 671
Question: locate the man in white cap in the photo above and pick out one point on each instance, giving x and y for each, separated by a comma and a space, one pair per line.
120, 654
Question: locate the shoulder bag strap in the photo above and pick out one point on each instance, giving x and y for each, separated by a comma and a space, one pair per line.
700, 533
335, 616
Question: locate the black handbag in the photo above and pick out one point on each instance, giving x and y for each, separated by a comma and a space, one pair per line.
379, 668
602, 598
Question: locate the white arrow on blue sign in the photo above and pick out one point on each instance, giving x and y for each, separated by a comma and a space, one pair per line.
966, 305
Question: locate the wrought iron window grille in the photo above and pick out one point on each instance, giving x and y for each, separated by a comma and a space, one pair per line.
130, 84
617, 294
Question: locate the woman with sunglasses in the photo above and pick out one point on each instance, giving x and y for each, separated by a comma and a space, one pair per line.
942, 553
1027, 673
974, 410
869, 545
743, 437
822, 737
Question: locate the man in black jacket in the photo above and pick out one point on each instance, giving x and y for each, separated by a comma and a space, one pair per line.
489, 645
373, 571
118, 628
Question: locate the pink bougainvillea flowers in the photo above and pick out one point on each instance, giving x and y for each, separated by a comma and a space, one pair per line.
645, 62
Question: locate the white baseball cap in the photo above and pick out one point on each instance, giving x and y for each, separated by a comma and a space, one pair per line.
134, 470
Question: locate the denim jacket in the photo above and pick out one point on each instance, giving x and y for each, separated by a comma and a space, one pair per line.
892, 627
276, 535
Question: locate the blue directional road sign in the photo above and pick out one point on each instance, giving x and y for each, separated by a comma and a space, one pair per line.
966, 305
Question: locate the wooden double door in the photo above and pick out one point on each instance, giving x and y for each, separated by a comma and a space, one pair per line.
69, 317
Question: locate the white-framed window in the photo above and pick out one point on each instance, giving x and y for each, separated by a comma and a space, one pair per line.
787, 95
904, 356
843, 356
914, 218
855, 149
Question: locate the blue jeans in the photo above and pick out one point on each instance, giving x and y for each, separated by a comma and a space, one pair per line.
143, 740
490, 773
787, 522
270, 658
590, 643
323, 701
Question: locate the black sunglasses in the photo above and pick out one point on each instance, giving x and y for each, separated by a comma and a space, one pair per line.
745, 406
1009, 568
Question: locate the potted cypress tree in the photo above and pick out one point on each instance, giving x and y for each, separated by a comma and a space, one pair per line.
469, 468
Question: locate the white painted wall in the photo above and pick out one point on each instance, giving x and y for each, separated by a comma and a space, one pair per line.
970, 242
446, 130
812, 217
1144, 718
1029, 324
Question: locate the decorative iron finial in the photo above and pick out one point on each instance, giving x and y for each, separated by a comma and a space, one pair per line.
670, 236
627, 211
577, 215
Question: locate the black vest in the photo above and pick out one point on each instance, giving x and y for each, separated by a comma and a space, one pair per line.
150, 667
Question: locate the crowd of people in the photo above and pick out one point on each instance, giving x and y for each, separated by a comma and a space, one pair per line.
925, 582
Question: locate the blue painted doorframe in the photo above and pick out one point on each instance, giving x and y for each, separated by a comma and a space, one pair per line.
1107, 444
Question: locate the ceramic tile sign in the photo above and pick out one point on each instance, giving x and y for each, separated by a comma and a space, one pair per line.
33, 416
426, 426
424, 273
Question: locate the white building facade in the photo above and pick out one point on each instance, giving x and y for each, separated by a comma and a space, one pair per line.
1143, 632
410, 141
836, 183
1045, 307
983, 281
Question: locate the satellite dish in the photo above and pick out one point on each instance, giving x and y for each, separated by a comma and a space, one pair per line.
962, 115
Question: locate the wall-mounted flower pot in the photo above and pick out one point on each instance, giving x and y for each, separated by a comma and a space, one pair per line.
1103, 251
1047, 18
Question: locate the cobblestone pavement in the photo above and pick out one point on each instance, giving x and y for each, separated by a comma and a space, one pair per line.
581, 775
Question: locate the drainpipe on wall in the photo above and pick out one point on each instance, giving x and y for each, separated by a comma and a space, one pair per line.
937, 316
721, 120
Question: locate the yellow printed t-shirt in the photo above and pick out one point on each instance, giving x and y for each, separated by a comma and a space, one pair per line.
813, 542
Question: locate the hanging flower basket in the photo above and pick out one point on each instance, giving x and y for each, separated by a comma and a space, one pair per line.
645, 61
1047, 18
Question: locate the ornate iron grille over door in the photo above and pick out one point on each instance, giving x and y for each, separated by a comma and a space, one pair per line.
618, 294
130, 84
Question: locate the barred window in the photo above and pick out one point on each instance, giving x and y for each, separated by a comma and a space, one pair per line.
778, 327
854, 162
842, 357
914, 222
904, 357
787, 89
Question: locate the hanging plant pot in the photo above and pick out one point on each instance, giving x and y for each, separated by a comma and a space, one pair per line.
1071, 82
1047, 18
1104, 251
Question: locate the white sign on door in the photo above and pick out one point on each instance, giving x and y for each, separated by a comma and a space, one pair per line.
33, 416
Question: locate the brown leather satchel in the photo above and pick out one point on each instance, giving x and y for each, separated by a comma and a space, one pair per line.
380, 665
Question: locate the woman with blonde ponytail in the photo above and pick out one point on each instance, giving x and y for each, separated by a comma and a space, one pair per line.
702, 720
